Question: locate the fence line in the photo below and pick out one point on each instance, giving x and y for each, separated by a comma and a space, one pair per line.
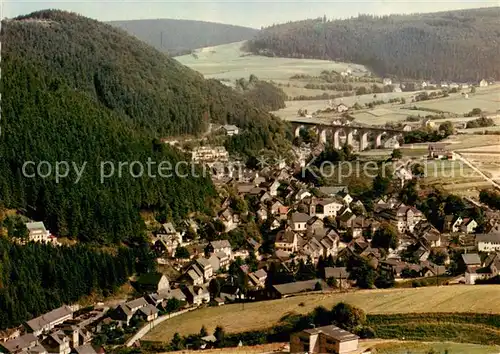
150, 325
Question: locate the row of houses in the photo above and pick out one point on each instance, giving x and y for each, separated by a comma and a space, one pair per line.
57, 332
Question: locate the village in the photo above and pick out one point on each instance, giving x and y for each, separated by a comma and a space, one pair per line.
276, 235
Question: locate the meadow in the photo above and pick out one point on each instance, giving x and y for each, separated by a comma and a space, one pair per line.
262, 315
424, 348
485, 98
229, 62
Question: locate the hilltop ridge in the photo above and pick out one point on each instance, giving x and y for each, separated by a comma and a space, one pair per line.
457, 45
178, 37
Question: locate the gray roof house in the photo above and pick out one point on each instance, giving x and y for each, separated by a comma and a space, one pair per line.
49, 320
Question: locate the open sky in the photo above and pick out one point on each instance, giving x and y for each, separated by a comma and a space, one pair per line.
251, 13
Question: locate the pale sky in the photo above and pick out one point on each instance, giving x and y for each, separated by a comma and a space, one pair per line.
251, 13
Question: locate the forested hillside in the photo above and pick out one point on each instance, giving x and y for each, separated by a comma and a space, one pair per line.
456, 45
36, 278
178, 37
80, 91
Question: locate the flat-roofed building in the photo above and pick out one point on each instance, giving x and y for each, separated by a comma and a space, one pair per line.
326, 339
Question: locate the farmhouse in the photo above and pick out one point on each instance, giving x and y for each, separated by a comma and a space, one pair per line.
327, 339
483, 83
436, 150
387, 82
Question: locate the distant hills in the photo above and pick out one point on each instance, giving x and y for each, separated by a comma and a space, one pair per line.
459, 45
81, 91
178, 37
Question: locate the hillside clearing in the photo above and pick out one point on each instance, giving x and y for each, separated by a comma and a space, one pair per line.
260, 315
229, 62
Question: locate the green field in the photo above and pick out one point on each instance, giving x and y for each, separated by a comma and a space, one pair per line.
262, 315
487, 98
424, 348
229, 62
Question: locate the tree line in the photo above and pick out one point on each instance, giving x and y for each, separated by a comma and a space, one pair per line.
454, 45
37, 278
104, 96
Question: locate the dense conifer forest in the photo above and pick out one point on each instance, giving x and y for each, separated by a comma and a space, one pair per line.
37, 278
80, 91
182, 36
455, 45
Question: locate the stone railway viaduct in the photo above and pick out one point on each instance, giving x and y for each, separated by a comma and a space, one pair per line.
362, 132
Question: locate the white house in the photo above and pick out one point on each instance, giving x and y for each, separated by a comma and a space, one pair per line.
169, 237
219, 246
468, 226
488, 242
391, 143
483, 83
342, 108
345, 197
403, 175
230, 130
38, 232
387, 82
302, 194
298, 221
286, 241
325, 207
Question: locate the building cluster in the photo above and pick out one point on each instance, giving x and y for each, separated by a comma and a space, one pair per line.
61, 331
308, 224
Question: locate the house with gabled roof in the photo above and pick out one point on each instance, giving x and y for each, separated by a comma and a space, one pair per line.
346, 219
298, 221
57, 342
488, 269
49, 320
153, 282
324, 207
168, 238
196, 295
229, 219
286, 241
27, 343
148, 313
220, 246
468, 225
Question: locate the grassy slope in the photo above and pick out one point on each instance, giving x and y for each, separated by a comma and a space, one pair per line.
260, 315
